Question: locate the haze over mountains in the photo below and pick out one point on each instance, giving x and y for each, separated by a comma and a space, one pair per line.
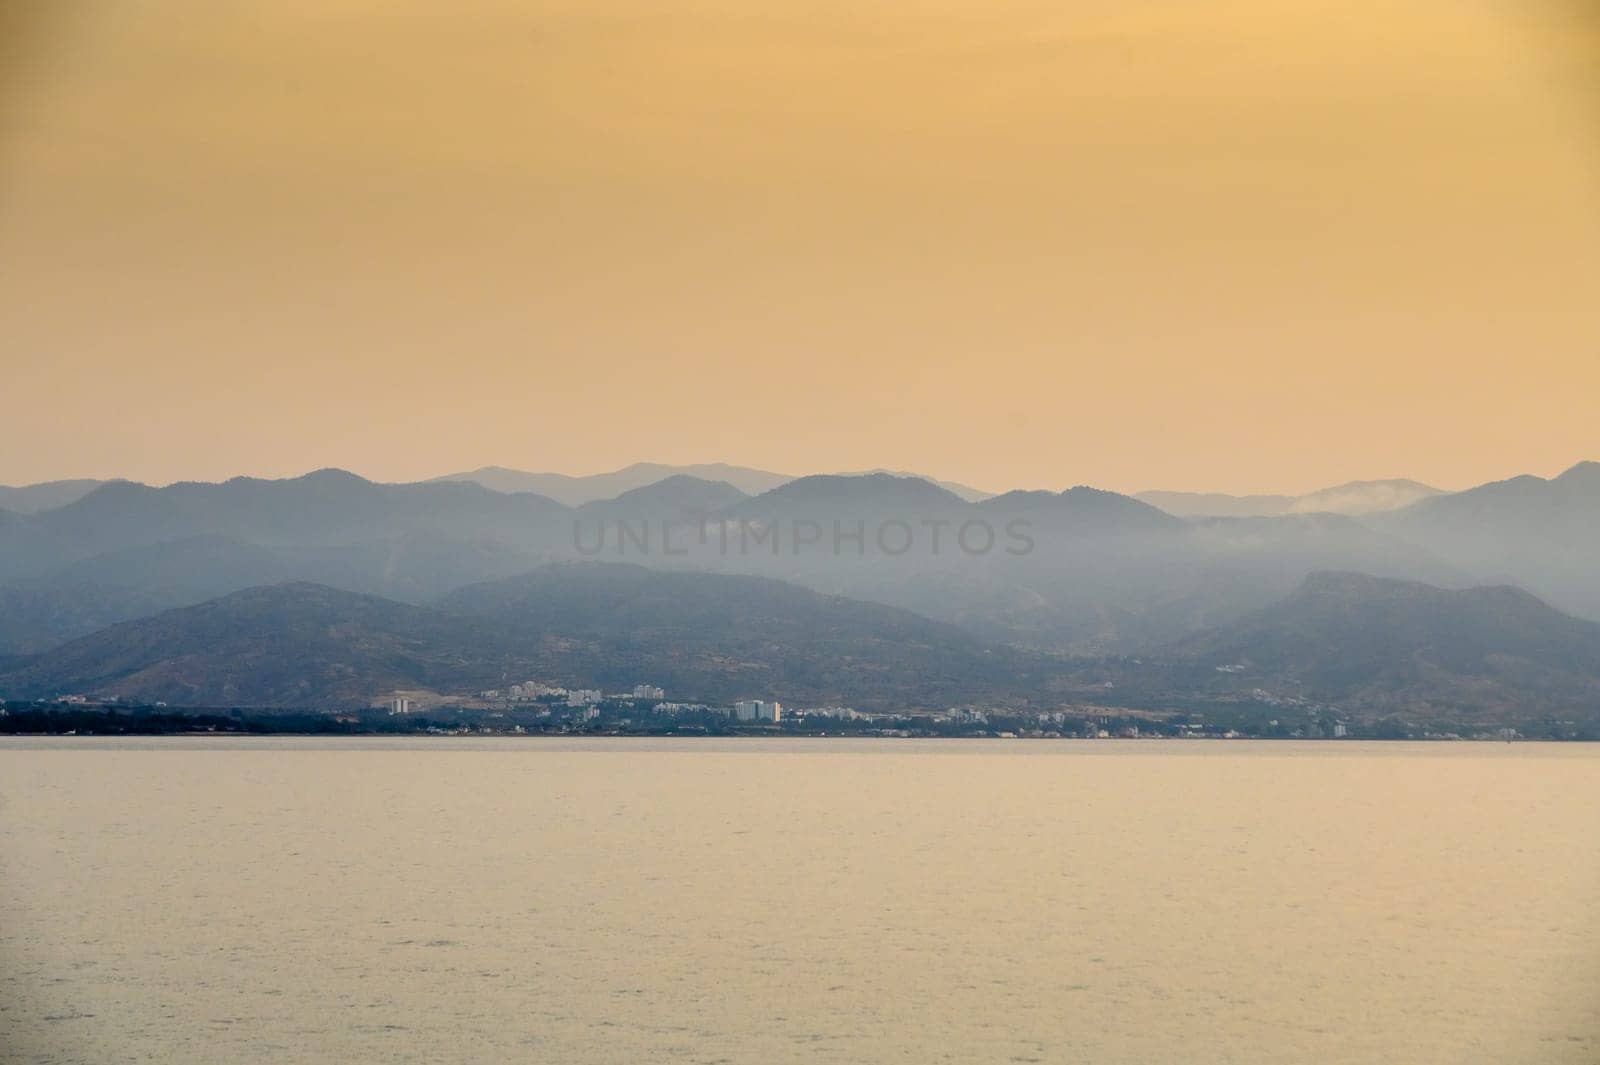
1082, 573
304, 644
32, 498
575, 491
1103, 571
1542, 534
569, 489
1361, 647
1356, 497
1374, 646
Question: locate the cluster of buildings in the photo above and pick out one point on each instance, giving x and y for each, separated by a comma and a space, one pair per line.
526, 692
841, 713
537, 691
583, 704
674, 709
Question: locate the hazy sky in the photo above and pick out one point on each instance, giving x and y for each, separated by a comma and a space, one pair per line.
1246, 245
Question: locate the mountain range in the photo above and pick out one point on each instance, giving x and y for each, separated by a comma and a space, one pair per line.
1355, 497
1081, 572
1376, 647
575, 491
578, 490
1100, 572
1542, 534
1360, 647
564, 488
32, 498
719, 637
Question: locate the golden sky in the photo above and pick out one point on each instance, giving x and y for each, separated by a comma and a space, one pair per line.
1245, 245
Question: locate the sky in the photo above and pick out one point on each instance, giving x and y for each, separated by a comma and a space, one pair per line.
1247, 245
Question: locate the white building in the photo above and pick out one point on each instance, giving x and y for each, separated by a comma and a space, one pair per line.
399, 705
648, 691
758, 710
843, 713
582, 697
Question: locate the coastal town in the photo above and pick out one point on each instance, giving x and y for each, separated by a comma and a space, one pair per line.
538, 708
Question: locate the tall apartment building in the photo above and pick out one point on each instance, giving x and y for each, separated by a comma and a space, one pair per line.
757, 710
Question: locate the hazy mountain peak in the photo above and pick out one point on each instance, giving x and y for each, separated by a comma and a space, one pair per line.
295, 591
328, 480
1349, 584
331, 475
1084, 509
1088, 493
671, 497
1022, 496
579, 490
1585, 473
678, 484
874, 486
1364, 497
966, 492
1351, 498
1375, 645
1077, 496
705, 471
46, 495
117, 489
1506, 602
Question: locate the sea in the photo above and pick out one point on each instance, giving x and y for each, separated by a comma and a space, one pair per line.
622, 900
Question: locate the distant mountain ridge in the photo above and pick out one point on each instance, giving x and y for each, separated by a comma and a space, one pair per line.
966, 492
1083, 509
1377, 646
1353, 498
1542, 534
322, 507
671, 498
47, 495
702, 635
824, 496
1355, 647
1081, 572
579, 490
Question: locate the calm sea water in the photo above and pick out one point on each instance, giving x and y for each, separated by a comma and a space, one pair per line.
450, 900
